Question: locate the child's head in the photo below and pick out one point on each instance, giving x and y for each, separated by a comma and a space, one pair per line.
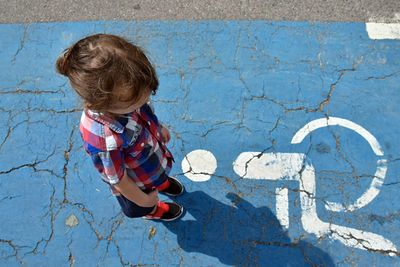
109, 73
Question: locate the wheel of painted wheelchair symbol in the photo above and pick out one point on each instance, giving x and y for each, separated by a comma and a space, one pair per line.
374, 189
200, 165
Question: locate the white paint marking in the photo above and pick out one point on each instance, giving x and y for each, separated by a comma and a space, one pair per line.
279, 165
334, 121
282, 206
380, 31
305, 174
380, 173
349, 236
368, 195
199, 165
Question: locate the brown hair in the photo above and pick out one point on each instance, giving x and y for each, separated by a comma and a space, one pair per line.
105, 69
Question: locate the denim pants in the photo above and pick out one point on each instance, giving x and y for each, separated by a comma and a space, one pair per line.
131, 209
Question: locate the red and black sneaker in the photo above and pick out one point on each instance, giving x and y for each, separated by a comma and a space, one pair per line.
172, 187
166, 211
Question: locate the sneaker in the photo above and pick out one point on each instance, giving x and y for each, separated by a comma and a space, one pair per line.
166, 211
174, 189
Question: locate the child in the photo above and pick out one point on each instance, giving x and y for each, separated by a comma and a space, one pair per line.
120, 132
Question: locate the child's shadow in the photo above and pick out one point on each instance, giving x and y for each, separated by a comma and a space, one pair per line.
241, 235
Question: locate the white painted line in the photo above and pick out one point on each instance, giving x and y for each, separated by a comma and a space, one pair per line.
199, 165
266, 166
349, 236
334, 121
271, 166
282, 206
368, 195
380, 173
381, 31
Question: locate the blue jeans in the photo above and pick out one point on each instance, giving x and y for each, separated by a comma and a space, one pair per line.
131, 209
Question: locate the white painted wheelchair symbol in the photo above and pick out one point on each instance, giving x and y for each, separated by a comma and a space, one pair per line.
199, 165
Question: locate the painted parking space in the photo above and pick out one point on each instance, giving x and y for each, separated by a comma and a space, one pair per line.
285, 135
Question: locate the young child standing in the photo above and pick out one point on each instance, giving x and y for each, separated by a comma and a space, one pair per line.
120, 131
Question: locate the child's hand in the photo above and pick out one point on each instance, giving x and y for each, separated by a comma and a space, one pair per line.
165, 134
152, 198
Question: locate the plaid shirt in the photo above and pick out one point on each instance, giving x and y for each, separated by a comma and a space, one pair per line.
131, 143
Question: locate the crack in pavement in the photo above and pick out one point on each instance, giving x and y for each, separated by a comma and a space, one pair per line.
364, 243
20, 91
52, 219
15, 248
48, 110
28, 165
66, 158
11, 127
382, 77
21, 44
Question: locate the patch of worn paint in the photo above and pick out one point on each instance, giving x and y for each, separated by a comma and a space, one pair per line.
380, 31
152, 232
72, 221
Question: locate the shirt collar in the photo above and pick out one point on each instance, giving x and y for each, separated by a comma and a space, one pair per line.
105, 119
111, 122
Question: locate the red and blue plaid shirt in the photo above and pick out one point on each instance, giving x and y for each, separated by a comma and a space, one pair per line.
131, 143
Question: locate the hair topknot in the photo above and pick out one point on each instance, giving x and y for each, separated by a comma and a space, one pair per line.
62, 62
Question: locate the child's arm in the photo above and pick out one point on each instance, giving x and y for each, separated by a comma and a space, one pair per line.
166, 136
131, 191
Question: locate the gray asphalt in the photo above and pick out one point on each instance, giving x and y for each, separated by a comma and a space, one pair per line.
28, 11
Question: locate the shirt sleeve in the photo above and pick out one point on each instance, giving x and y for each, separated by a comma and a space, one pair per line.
110, 164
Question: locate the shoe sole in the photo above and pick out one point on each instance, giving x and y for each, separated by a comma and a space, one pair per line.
175, 218
167, 220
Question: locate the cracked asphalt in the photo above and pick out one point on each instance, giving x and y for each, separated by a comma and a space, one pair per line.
227, 87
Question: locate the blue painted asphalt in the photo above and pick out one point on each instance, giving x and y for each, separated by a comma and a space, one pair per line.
226, 87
